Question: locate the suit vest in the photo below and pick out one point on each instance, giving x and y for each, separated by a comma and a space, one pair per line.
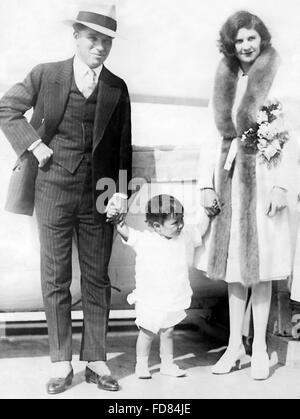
74, 136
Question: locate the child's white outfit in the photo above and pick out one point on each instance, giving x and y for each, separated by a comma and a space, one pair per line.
163, 290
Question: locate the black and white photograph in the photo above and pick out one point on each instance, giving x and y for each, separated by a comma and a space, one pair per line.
149, 202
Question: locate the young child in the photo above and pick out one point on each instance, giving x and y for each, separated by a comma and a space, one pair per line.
163, 291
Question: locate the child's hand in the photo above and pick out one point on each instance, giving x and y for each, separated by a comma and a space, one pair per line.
113, 215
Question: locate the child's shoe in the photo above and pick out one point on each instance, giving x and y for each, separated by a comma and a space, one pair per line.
172, 369
142, 371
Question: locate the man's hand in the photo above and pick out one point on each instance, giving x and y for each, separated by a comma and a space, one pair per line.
111, 212
119, 201
210, 201
42, 153
113, 216
116, 208
277, 201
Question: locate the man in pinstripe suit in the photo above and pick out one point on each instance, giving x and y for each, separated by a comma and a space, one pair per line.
80, 133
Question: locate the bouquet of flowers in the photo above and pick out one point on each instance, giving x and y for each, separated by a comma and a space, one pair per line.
269, 135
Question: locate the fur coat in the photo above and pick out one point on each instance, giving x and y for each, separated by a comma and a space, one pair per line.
238, 246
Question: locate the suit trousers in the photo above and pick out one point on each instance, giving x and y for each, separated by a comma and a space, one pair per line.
64, 205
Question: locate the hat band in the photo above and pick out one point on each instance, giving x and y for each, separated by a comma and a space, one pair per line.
96, 19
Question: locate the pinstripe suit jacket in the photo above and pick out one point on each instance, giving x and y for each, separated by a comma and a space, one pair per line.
46, 90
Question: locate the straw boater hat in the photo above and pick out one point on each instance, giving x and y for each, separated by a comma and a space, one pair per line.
102, 18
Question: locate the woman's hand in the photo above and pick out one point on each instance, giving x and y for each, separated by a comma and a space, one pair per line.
210, 201
277, 201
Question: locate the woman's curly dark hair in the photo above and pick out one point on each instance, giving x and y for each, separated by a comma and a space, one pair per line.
233, 24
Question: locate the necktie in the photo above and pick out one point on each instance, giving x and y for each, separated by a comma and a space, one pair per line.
90, 82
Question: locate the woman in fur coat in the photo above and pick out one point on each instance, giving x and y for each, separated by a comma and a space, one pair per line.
246, 188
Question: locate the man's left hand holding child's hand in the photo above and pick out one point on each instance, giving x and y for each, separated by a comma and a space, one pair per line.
116, 208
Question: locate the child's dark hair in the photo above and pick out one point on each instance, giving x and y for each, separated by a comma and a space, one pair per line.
160, 207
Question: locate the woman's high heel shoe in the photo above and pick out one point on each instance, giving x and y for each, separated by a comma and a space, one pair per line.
260, 365
229, 360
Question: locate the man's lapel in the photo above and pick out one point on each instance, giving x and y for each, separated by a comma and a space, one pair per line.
108, 97
57, 93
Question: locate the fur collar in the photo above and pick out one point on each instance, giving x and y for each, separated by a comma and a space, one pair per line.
260, 79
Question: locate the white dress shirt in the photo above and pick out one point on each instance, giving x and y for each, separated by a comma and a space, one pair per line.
81, 71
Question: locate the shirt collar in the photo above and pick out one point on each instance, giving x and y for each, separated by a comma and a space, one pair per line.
80, 68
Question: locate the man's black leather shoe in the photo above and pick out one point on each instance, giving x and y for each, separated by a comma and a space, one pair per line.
104, 382
59, 385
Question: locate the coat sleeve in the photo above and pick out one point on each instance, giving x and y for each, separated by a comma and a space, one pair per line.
125, 163
13, 106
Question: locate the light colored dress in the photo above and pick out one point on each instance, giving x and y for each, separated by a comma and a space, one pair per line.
163, 290
274, 233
